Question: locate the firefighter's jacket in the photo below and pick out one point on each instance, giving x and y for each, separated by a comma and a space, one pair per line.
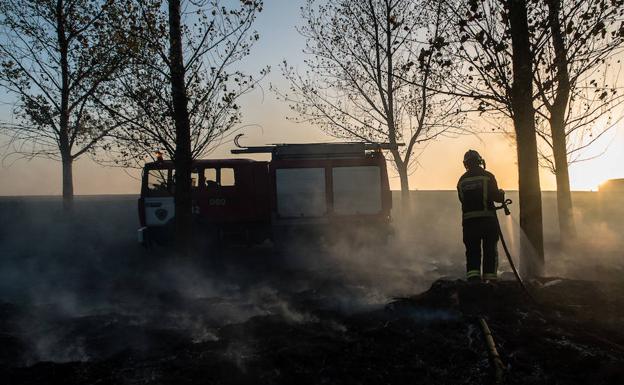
478, 191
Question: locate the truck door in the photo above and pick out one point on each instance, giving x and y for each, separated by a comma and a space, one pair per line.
158, 195
220, 199
159, 207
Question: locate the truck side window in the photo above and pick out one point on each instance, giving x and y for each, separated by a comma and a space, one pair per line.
227, 177
157, 180
195, 179
211, 177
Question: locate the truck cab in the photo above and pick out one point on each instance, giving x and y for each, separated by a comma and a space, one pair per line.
230, 198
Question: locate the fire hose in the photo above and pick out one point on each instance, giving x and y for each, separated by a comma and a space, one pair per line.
505, 208
494, 357
498, 368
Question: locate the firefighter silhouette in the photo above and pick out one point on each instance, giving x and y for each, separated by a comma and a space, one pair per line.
478, 191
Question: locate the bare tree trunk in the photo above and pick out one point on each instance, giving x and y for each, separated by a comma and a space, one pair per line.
64, 142
405, 191
567, 226
68, 184
526, 141
67, 161
557, 125
68, 164
401, 167
182, 156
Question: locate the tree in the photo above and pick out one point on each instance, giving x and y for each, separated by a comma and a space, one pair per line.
526, 138
494, 67
571, 46
180, 93
577, 40
218, 39
182, 154
568, 64
363, 60
56, 58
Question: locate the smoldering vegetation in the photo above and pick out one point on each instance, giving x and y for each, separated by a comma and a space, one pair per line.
80, 289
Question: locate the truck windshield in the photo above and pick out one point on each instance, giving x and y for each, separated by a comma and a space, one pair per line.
163, 181
158, 181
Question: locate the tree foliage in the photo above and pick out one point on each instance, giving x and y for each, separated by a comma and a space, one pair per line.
215, 38
573, 45
594, 32
57, 58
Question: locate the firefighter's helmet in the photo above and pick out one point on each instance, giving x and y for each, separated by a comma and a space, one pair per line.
472, 157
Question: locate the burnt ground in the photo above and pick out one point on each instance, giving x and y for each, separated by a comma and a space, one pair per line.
95, 308
573, 337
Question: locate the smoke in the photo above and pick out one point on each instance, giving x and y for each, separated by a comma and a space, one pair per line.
596, 252
81, 288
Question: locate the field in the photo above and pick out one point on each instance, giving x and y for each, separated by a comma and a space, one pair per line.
81, 302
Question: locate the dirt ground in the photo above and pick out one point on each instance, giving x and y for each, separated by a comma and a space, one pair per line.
81, 303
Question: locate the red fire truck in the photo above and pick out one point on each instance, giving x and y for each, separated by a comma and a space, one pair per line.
313, 189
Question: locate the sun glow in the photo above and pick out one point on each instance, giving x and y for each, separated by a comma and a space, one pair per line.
608, 165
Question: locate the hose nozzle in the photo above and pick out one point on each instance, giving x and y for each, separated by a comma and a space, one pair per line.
504, 206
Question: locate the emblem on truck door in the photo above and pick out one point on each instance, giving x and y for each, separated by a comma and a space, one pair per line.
161, 214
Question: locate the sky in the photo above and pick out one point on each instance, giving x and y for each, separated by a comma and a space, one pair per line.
265, 120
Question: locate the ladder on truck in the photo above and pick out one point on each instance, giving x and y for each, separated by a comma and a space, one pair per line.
316, 150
